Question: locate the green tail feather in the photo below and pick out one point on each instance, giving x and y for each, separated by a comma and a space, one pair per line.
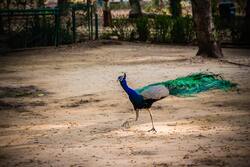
193, 84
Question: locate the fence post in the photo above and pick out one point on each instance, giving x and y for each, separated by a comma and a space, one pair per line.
96, 26
91, 21
74, 24
88, 18
57, 25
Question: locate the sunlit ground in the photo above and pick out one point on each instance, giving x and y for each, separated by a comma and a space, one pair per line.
67, 108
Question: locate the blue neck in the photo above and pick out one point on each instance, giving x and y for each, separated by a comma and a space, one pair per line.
135, 98
127, 89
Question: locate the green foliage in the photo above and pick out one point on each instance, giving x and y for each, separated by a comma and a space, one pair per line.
66, 36
37, 31
231, 30
182, 30
178, 34
117, 6
31, 32
168, 29
151, 7
123, 28
161, 28
193, 84
142, 28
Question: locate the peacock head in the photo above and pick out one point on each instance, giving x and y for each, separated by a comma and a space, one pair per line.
122, 77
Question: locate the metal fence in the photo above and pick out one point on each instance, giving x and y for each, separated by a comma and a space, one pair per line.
21, 28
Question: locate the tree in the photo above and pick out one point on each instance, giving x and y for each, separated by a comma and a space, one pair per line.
246, 28
205, 32
135, 9
175, 8
248, 9
65, 15
107, 17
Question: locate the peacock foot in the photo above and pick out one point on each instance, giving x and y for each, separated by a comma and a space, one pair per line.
153, 129
126, 124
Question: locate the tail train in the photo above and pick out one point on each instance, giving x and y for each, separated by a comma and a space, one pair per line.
193, 84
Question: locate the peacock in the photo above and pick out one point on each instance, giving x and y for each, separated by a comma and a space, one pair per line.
144, 97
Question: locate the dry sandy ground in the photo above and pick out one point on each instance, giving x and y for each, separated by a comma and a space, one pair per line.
67, 108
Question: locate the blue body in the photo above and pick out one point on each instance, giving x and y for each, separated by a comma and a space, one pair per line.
136, 99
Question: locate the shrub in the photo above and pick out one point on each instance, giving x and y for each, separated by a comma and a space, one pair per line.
122, 28
159, 28
162, 25
182, 30
142, 28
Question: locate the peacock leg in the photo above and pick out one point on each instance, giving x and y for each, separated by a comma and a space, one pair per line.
153, 128
126, 124
137, 114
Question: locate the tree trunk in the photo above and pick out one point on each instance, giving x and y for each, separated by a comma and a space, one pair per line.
248, 9
246, 29
202, 16
65, 16
107, 17
175, 8
135, 9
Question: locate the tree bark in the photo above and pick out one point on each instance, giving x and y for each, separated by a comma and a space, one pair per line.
135, 9
248, 9
203, 22
246, 30
65, 16
107, 17
175, 8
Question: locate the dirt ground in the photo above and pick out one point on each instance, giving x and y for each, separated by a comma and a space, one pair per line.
64, 107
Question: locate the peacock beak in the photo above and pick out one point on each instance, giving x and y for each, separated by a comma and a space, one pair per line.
118, 79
